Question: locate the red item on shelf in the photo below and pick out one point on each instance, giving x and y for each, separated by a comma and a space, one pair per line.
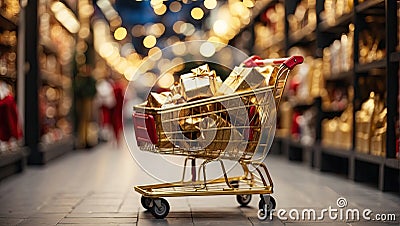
295, 125
397, 148
105, 115
9, 127
116, 111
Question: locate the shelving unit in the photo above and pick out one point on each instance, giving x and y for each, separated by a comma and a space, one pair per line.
49, 94
381, 172
11, 161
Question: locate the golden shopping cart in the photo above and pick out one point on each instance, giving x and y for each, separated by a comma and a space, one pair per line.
245, 139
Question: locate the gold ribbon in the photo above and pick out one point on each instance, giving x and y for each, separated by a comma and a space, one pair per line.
237, 77
203, 70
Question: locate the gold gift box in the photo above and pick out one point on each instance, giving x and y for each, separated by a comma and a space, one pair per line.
362, 143
378, 144
270, 74
337, 132
242, 79
201, 83
157, 100
176, 88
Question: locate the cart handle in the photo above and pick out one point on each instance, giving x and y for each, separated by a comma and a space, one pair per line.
290, 62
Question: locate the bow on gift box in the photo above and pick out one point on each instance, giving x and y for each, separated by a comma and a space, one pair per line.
237, 77
203, 70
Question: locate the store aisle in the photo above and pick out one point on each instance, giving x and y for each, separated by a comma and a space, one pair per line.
96, 187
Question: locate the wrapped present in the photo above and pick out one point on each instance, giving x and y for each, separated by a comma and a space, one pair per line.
217, 133
270, 73
218, 81
157, 100
378, 143
163, 140
201, 83
242, 79
176, 89
189, 119
254, 132
176, 99
362, 143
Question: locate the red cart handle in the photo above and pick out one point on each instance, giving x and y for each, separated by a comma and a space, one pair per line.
256, 61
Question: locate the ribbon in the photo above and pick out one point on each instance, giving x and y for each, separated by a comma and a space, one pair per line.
237, 77
203, 70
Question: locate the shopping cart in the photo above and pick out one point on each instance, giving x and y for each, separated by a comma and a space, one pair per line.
241, 126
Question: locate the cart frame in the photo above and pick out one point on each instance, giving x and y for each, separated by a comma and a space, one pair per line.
257, 181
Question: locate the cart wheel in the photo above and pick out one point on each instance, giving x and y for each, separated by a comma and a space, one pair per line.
243, 200
264, 212
160, 208
146, 202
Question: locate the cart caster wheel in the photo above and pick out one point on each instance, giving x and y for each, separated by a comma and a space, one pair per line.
265, 211
243, 200
160, 208
146, 202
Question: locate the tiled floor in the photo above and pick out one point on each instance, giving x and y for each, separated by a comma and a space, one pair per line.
96, 188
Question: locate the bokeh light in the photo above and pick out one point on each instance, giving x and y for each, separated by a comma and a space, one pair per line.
210, 4
187, 29
160, 10
220, 27
175, 6
177, 26
248, 3
166, 81
156, 29
138, 30
149, 41
197, 13
179, 49
155, 53
120, 33
207, 49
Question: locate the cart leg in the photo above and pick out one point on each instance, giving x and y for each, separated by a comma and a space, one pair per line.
184, 170
225, 175
247, 175
203, 167
268, 175
193, 169
261, 174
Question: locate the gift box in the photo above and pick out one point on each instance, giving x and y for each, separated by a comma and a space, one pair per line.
362, 143
157, 100
218, 134
189, 118
378, 143
176, 88
270, 73
242, 79
201, 83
